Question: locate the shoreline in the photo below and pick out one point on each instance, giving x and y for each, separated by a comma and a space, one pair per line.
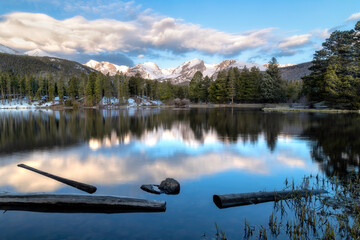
310, 110
266, 107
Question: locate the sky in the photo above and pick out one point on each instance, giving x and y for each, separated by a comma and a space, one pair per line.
171, 32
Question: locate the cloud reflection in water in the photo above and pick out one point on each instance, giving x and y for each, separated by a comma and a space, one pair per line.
150, 158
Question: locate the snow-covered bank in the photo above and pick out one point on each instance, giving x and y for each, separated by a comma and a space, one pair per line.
24, 104
106, 103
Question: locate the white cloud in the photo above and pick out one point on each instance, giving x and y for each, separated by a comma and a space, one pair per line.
140, 56
295, 41
354, 17
77, 34
321, 33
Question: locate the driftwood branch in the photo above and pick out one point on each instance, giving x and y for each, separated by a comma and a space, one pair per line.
67, 203
81, 186
241, 199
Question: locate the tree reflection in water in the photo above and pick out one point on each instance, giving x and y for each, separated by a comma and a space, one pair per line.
334, 139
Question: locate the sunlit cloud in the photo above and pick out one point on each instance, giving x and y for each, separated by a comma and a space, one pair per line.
295, 41
354, 17
293, 162
32, 30
110, 170
321, 33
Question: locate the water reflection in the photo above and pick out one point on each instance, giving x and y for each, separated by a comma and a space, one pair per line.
145, 146
335, 143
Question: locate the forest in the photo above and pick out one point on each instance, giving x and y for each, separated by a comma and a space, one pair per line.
230, 86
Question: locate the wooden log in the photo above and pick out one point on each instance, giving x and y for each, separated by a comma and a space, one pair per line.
68, 203
151, 188
81, 186
241, 199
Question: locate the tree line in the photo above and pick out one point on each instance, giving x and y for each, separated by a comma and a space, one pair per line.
232, 85
87, 89
245, 86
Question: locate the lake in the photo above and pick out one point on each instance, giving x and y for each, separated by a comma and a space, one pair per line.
209, 151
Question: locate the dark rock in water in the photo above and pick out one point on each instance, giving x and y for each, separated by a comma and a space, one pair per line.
170, 186
151, 188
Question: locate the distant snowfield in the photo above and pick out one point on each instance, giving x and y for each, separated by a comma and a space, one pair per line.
24, 104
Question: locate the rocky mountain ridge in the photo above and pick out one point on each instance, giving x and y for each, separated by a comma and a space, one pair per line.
177, 75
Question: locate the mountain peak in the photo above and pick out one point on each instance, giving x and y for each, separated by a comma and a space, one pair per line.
92, 63
178, 75
38, 53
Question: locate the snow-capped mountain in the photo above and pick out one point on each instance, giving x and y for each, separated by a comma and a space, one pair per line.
107, 68
281, 65
5, 49
38, 53
178, 75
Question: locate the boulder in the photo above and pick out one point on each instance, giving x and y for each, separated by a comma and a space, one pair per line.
170, 186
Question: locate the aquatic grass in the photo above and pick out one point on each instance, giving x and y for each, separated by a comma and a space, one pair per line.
335, 215
220, 235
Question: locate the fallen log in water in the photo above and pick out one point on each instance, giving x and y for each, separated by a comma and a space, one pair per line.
81, 186
67, 203
241, 199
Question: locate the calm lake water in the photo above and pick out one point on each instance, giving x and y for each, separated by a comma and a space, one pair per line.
209, 151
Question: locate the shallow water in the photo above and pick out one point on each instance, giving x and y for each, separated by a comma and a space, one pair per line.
209, 151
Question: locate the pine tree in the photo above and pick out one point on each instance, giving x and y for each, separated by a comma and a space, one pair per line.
231, 84
99, 87
205, 89
60, 89
72, 88
195, 87
90, 90
51, 88
272, 84
336, 69
108, 89
82, 85
28, 88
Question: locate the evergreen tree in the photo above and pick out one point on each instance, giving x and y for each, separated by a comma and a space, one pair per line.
72, 88
82, 85
61, 89
218, 89
205, 89
255, 78
195, 87
90, 90
51, 88
231, 84
272, 84
99, 86
108, 89
336, 70
28, 88
22, 88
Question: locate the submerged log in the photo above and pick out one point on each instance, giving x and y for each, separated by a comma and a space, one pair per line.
67, 203
151, 188
81, 186
241, 199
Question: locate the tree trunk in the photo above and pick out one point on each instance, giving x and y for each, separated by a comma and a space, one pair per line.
241, 199
81, 186
67, 203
